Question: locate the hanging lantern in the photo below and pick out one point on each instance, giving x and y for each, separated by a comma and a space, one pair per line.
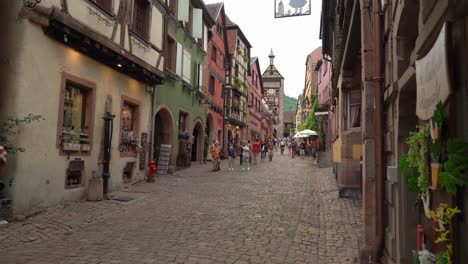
31, 3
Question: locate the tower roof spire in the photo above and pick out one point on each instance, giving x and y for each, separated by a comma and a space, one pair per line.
272, 57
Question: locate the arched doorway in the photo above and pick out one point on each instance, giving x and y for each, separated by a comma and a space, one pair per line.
163, 131
197, 145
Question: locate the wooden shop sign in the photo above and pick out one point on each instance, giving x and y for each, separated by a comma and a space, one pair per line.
432, 77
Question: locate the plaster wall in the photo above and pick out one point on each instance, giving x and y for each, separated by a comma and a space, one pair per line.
177, 98
39, 173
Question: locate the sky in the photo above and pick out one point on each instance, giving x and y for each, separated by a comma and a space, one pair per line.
291, 39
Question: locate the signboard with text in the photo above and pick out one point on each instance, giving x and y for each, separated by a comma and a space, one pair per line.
432, 77
164, 158
291, 8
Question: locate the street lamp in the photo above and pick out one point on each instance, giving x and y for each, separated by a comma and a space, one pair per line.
31, 3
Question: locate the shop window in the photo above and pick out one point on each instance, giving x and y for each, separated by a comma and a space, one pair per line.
214, 53
75, 115
354, 109
183, 121
171, 55
212, 85
105, 5
129, 126
141, 14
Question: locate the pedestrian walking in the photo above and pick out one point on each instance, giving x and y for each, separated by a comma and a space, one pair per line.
264, 151
215, 152
271, 147
293, 148
302, 147
246, 157
256, 150
232, 156
239, 153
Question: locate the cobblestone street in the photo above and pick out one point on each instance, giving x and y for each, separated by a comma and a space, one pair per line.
285, 211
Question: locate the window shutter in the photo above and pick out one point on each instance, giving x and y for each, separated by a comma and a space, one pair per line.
197, 24
179, 59
201, 80
183, 11
205, 38
187, 67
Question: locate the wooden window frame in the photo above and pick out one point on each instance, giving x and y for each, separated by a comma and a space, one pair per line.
173, 8
212, 85
186, 121
136, 123
214, 53
171, 61
89, 114
147, 24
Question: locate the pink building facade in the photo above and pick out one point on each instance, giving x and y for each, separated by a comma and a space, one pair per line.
323, 72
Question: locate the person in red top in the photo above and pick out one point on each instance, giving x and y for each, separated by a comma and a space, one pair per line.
215, 151
256, 148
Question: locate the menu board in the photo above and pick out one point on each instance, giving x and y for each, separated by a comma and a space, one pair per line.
163, 161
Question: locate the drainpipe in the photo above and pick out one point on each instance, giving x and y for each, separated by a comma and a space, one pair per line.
378, 84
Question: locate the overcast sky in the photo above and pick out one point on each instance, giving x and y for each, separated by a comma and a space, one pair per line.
292, 39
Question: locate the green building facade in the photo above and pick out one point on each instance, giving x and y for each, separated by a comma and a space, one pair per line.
180, 114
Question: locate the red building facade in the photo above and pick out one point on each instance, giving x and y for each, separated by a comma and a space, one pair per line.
255, 100
215, 75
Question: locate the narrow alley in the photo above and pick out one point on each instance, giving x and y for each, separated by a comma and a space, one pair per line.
286, 211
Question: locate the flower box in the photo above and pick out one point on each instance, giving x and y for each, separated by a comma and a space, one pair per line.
71, 147
85, 147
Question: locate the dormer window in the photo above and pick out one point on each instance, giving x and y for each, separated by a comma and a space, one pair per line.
141, 14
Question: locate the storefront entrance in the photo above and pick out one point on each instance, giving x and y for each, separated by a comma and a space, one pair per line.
163, 130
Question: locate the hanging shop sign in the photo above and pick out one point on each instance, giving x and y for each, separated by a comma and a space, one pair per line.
291, 8
432, 77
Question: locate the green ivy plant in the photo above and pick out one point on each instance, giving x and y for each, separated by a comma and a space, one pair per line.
238, 82
439, 114
411, 175
9, 129
246, 87
452, 175
436, 151
240, 51
418, 143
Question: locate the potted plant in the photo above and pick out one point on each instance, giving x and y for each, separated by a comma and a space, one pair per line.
239, 51
452, 175
437, 122
436, 166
